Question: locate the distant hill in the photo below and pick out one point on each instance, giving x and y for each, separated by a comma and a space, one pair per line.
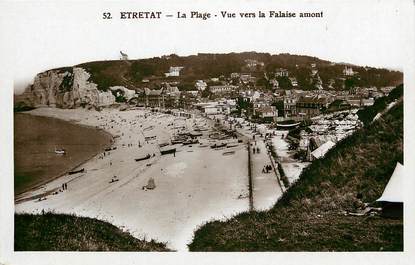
311, 214
203, 65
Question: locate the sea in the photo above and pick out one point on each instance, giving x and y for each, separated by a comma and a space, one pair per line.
35, 141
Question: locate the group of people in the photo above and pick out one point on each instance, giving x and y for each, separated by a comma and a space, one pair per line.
64, 186
266, 169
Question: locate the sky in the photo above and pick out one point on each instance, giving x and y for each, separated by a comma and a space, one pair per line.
45, 34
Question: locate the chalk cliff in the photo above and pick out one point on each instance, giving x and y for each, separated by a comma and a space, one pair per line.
68, 88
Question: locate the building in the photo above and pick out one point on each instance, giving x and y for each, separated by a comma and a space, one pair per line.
222, 89
309, 106
339, 104
293, 81
290, 108
174, 71
281, 72
200, 85
267, 113
246, 78
171, 90
214, 107
253, 64
235, 75
348, 71
154, 98
386, 90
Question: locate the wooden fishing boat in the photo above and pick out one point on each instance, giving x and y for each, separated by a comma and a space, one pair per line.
190, 141
143, 158
167, 150
76, 171
218, 145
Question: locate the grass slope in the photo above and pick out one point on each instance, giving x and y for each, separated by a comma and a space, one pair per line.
202, 66
310, 216
59, 232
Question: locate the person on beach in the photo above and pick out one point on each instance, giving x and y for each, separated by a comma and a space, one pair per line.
63, 186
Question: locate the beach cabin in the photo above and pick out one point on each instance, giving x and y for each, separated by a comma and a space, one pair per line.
392, 196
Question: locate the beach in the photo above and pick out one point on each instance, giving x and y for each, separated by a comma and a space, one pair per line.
194, 185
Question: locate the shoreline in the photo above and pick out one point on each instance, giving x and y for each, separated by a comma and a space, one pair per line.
18, 196
194, 176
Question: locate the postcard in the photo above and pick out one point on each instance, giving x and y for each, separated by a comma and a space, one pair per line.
208, 132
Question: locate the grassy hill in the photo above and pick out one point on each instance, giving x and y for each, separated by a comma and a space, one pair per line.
59, 232
311, 215
203, 66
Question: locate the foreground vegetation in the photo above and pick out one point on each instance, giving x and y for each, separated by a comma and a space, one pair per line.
312, 215
60, 232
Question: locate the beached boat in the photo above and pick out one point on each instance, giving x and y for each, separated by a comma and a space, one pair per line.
76, 171
167, 150
143, 158
195, 134
178, 139
218, 145
287, 126
228, 153
190, 141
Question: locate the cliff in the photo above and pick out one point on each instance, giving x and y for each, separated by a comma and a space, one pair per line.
69, 88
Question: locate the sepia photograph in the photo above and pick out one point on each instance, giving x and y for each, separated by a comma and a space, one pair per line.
177, 127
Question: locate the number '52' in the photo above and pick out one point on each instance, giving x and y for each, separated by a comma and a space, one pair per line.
106, 15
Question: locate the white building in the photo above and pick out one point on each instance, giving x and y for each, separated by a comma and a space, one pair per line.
293, 81
280, 72
222, 89
348, 71
174, 71
200, 85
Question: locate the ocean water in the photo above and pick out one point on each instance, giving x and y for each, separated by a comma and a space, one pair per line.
35, 140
